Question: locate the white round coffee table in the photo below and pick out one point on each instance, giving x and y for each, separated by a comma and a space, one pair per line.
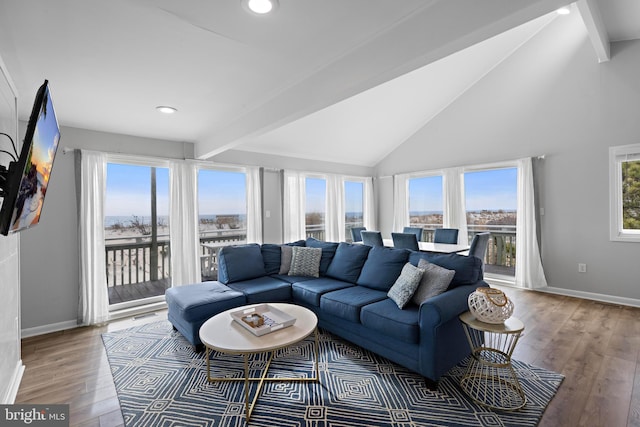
222, 333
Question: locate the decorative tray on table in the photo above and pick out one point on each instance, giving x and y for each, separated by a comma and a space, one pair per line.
263, 319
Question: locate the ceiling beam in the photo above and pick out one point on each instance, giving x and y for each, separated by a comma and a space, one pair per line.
595, 27
437, 30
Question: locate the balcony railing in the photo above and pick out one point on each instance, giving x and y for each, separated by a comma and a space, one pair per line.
316, 231
138, 268
129, 260
500, 257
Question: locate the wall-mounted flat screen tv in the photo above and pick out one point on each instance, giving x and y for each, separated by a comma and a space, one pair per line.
27, 179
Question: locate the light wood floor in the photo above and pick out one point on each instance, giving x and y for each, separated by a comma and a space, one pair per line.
595, 345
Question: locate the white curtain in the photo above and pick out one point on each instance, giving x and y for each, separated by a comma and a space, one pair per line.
529, 271
183, 224
334, 216
94, 300
400, 202
254, 205
294, 201
369, 202
455, 215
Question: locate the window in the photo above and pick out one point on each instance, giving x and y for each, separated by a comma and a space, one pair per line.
624, 181
315, 208
353, 206
136, 226
425, 204
222, 214
491, 199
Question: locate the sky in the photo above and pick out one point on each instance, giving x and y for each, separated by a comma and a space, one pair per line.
129, 191
222, 192
492, 190
315, 194
316, 189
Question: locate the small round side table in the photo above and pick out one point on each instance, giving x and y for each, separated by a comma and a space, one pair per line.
490, 379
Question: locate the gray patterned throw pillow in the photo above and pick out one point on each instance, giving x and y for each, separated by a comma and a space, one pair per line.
435, 280
305, 261
404, 287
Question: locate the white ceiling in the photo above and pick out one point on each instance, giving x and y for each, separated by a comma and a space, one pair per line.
335, 80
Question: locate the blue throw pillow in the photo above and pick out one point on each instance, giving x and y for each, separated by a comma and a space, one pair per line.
348, 261
241, 262
382, 268
468, 268
328, 252
271, 257
297, 243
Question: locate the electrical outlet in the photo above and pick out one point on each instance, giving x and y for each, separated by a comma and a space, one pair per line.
582, 268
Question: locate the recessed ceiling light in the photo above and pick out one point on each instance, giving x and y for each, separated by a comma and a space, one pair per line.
260, 7
165, 109
563, 10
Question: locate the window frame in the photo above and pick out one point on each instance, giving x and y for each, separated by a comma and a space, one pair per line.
618, 155
133, 160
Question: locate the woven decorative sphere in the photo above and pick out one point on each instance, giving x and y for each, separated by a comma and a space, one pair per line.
490, 305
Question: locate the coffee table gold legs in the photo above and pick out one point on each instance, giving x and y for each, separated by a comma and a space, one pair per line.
263, 378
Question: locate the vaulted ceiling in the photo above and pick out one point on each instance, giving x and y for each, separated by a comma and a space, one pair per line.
332, 80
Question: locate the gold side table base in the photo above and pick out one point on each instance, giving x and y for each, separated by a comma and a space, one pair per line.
262, 379
496, 387
490, 379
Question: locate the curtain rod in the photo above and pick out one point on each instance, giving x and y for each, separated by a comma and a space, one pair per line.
540, 157
66, 150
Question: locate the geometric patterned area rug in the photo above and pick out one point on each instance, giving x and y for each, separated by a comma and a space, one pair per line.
161, 381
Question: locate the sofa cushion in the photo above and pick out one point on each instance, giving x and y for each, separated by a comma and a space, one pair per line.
386, 318
346, 303
348, 261
328, 252
406, 285
263, 289
382, 267
202, 300
468, 268
435, 280
305, 261
271, 255
310, 291
241, 262
292, 279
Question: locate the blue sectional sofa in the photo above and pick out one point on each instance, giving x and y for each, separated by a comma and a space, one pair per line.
349, 296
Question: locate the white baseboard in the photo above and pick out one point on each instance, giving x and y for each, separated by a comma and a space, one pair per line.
70, 324
46, 329
14, 385
610, 299
632, 302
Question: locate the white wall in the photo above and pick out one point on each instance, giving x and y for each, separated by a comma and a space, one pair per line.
551, 97
11, 367
49, 251
10, 360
